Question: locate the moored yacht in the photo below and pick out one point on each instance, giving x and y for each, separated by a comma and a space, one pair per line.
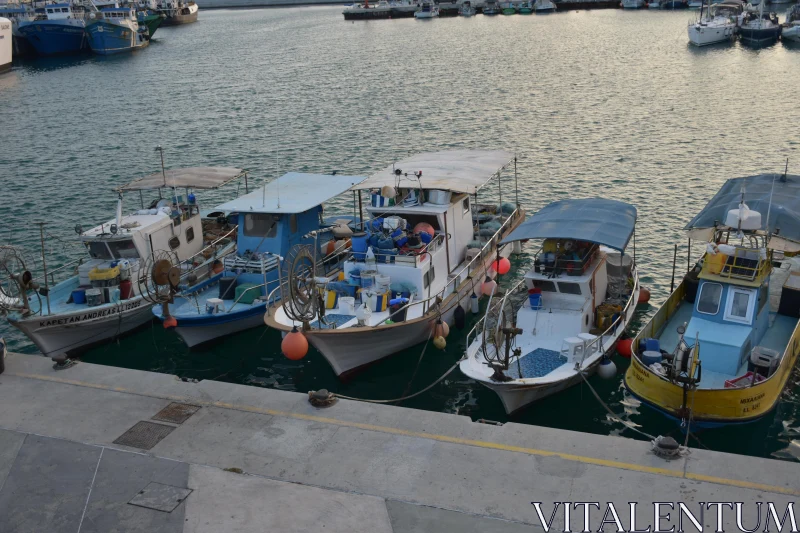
271, 220
490, 7
632, 4
758, 28
719, 24
427, 9
563, 319
544, 6
466, 9
654, 4
366, 11
790, 30
427, 248
722, 347
107, 297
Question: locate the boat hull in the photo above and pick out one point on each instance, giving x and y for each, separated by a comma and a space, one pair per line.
706, 35
178, 19
55, 37
152, 22
759, 37
674, 4
73, 333
370, 14
110, 39
791, 34
216, 327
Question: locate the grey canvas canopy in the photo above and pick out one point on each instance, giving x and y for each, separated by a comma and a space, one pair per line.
193, 177
598, 220
784, 211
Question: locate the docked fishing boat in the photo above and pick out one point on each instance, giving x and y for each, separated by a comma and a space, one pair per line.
403, 8
759, 28
147, 15
367, 11
17, 13
544, 6
60, 31
426, 249
526, 7
490, 7
722, 347
654, 4
718, 25
790, 30
564, 318
632, 4
427, 9
466, 9
108, 296
675, 4
115, 30
179, 12
508, 8
271, 220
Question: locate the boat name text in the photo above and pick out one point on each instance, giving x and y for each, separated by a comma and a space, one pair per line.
91, 315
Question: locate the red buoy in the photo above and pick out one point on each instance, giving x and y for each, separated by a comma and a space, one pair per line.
294, 345
644, 296
441, 329
502, 266
170, 322
624, 348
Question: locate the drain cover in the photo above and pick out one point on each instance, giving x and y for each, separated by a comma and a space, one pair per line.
144, 435
160, 497
177, 413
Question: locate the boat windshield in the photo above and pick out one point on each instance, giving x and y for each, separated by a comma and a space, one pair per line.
123, 249
98, 250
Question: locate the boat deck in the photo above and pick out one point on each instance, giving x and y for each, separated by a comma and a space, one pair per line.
208, 457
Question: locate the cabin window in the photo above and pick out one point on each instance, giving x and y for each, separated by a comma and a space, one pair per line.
123, 249
465, 205
739, 307
545, 286
708, 301
174, 243
569, 288
99, 250
293, 223
428, 277
190, 235
260, 225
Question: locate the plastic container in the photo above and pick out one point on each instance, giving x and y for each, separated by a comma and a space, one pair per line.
382, 282
125, 289
214, 306
227, 288
347, 305
652, 345
79, 296
368, 278
355, 278
246, 293
535, 298
94, 297
650, 357
115, 293
359, 245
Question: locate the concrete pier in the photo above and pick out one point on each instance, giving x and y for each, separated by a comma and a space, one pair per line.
100, 449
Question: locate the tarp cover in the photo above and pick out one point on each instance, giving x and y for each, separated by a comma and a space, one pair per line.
783, 215
193, 177
607, 222
451, 170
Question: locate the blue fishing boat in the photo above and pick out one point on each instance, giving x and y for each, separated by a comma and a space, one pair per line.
59, 30
116, 30
284, 213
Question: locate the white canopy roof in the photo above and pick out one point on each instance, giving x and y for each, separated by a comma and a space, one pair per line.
294, 192
451, 170
194, 177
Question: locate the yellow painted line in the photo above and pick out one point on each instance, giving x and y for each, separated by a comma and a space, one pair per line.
432, 436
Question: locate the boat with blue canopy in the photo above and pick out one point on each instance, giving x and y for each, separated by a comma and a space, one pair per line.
564, 317
721, 349
271, 220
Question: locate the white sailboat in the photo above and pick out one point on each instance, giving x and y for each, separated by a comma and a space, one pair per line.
790, 30
719, 24
566, 315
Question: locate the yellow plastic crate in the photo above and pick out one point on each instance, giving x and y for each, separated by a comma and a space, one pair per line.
103, 274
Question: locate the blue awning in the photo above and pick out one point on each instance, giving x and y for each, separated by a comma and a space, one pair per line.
597, 220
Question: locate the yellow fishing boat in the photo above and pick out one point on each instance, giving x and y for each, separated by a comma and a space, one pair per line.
720, 350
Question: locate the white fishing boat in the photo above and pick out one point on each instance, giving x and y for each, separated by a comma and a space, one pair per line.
719, 23
790, 30
428, 249
105, 298
544, 6
562, 320
632, 4
427, 9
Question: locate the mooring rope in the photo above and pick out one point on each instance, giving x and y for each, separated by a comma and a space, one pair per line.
614, 416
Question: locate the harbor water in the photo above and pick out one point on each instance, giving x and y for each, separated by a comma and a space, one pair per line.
595, 103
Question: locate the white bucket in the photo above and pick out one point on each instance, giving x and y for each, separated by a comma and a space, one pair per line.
382, 283
94, 297
368, 278
347, 305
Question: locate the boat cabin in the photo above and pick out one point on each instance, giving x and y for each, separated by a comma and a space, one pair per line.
58, 11
118, 13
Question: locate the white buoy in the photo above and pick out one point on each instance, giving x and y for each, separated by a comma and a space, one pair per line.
474, 304
607, 369
5, 45
516, 247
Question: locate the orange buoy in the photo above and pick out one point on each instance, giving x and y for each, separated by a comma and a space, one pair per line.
502, 266
644, 296
624, 347
294, 345
441, 329
489, 286
170, 322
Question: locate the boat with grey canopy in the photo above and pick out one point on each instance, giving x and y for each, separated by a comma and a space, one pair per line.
563, 318
102, 297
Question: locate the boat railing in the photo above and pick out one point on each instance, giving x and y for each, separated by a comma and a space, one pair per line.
746, 264
212, 248
468, 268
656, 324
481, 324
51, 273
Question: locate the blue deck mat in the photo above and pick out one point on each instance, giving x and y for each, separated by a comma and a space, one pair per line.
332, 319
536, 364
